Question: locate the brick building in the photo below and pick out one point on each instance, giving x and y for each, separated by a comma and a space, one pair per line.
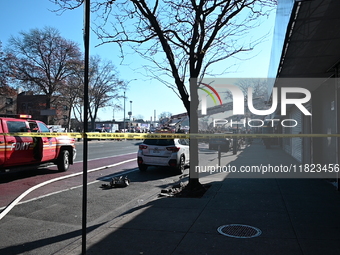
35, 105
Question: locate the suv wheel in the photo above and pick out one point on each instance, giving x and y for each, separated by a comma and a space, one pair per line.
142, 167
180, 168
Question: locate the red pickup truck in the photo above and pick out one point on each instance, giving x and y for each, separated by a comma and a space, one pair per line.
20, 151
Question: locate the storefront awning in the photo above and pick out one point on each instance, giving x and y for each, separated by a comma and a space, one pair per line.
312, 44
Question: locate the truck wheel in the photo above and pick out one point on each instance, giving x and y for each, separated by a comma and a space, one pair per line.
63, 161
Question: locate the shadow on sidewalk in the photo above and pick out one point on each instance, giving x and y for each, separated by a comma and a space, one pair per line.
30, 247
295, 215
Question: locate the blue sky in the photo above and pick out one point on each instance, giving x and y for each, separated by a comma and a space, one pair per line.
146, 95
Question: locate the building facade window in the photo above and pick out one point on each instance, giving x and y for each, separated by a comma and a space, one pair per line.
9, 101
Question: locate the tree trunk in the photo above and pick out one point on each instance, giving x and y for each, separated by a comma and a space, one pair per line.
194, 183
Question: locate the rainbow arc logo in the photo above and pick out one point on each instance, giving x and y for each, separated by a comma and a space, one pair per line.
211, 92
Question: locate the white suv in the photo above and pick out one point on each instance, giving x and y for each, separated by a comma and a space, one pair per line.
173, 153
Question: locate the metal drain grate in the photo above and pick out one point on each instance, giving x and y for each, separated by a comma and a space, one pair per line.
239, 231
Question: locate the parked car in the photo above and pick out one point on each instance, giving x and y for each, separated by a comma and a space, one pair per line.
172, 153
97, 130
224, 143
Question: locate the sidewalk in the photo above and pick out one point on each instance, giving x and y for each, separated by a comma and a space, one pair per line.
291, 216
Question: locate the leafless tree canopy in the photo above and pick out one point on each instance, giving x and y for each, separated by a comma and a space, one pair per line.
42, 60
3, 78
46, 63
259, 88
164, 115
182, 39
104, 86
72, 92
259, 91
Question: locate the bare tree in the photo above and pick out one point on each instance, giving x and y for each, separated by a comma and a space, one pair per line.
259, 86
41, 61
104, 89
6, 91
72, 91
259, 91
163, 115
139, 117
182, 40
4, 73
104, 86
3, 76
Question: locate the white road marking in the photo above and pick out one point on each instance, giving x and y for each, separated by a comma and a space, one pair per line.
18, 199
79, 186
107, 157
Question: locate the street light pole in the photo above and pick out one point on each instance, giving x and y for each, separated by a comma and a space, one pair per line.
130, 113
124, 113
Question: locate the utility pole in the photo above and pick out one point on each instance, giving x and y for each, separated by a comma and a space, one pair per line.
124, 113
154, 117
86, 102
130, 116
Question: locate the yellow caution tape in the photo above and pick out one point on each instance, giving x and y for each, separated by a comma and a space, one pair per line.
91, 135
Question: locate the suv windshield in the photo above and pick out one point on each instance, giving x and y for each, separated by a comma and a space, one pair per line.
162, 142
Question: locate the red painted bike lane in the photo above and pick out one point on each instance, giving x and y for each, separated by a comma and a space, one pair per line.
14, 184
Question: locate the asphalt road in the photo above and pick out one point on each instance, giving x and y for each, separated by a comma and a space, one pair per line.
100, 153
107, 148
49, 218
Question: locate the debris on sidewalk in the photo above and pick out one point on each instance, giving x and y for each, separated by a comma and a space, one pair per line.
117, 182
170, 192
183, 190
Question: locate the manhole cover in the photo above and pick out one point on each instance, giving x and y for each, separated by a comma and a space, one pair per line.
239, 231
